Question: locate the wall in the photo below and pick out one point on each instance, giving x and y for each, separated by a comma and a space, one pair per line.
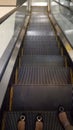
7, 2
11, 2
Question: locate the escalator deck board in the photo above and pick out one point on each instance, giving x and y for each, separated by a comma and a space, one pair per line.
41, 74
50, 120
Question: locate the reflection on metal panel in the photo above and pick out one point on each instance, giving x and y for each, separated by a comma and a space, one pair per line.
10, 30
64, 18
6, 33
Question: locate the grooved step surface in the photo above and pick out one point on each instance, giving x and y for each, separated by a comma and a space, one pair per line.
43, 74
40, 38
43, 59
42, 16
41, 51
39, 9
50, 44
41, 30
39, 27
50, 120
39, 20
40, 33
34, 43
41, 97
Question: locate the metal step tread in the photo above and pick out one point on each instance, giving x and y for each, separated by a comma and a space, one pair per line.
39, 17
50, 120
43, 24
41, 97
43, 59
41, 51
43, 16
41, 47
39, 38
40, 31
39, 27
43, 74
39, 24
39, 9
39, 21
50, 44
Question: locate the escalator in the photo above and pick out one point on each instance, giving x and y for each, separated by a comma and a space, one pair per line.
43, 78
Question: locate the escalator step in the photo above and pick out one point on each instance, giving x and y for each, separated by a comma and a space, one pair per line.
39, 20
39, 16
41, 51
40, 10
43, 16
41, 97
40, 33
40, 27
43, 74
42, 20
40, 38
50, 44
50, 120
40, 30
43, 59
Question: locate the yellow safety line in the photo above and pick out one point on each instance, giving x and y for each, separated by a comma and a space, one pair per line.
16, 75
3, 121
61, 51
66, 65
58, 42
71, 74
19, 62
68, 47
11, 99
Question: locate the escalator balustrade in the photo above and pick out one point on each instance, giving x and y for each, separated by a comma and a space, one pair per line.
43, 80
